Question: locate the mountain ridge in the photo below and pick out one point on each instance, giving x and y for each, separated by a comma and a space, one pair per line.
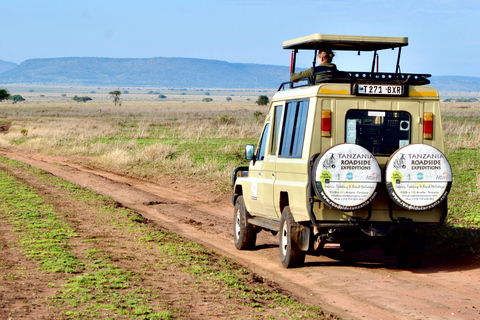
169, 72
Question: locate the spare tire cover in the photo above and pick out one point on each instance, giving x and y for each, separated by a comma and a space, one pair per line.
346, 177
418, 177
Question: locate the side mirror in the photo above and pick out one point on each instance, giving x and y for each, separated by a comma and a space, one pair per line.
250, 152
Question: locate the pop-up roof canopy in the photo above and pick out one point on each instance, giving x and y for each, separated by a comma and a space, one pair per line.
319, 41
342, 42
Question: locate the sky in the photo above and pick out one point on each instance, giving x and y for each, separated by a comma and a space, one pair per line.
443, 35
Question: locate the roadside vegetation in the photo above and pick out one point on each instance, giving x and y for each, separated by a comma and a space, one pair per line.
203, 142
102, 261
461, 129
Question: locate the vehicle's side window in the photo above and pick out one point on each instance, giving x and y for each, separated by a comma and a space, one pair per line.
293, 130
263, 143
277, 123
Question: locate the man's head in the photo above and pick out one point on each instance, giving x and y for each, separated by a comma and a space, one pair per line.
325, 55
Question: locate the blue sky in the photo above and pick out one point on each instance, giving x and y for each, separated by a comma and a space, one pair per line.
444, 35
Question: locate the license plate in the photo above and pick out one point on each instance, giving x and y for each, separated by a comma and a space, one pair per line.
374, 89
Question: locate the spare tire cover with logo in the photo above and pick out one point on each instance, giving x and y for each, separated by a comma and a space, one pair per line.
418, 177
346, 177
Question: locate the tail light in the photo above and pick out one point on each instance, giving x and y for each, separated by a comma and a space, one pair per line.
326, 123
428, 125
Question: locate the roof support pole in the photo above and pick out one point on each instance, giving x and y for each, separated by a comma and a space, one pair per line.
312, 80
293, 60
397, 69
374, 60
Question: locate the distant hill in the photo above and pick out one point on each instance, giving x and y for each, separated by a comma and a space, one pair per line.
160, 72
5, 66
456, 83
170, 72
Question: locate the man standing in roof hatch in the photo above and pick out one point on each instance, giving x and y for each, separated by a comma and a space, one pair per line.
325, 58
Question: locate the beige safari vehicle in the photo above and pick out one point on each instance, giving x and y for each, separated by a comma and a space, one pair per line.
349, 158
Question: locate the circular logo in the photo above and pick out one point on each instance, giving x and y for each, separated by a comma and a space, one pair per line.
346, 177
418, 177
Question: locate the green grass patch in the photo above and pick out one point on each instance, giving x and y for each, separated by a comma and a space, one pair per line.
460, 236
464, 207
43, 236
101, 289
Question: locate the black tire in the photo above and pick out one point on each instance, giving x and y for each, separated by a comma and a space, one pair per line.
244, 234
290, 256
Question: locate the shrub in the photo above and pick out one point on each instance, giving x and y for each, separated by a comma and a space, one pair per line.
15, 98
81, 99
262, 100
257, 114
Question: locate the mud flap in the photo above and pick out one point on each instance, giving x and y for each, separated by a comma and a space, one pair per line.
300, 236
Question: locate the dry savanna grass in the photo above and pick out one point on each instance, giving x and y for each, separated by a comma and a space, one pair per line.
199, 140
461, 125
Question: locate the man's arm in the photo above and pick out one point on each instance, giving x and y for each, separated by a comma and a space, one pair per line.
301, 75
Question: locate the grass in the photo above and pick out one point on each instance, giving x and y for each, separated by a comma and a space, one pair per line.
460, 236
97, 285
43, 236
203, 142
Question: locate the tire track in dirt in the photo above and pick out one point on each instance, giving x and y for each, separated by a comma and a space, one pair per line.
370, 289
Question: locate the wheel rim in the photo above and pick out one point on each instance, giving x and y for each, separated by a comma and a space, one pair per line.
284, 236
237, 225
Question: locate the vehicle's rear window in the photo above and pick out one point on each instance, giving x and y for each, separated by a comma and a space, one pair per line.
380, 132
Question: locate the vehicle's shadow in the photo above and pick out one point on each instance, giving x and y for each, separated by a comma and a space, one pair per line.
372, 258
265, 246
436, 259
442, 254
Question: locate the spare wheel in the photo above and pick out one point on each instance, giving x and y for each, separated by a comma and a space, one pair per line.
418, 177
346, 177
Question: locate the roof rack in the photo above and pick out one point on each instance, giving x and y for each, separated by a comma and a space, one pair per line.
364, 77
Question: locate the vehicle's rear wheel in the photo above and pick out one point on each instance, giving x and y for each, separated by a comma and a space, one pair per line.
244, 234
290, 255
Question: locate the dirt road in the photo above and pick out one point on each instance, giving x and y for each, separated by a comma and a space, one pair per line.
354, 286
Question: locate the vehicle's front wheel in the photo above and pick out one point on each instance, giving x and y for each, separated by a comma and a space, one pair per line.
290, 255
244, 234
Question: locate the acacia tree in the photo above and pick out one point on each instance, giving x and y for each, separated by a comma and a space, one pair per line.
116, 96
4, 94
15, 98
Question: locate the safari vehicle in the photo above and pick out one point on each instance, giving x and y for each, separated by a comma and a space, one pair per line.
351, 158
